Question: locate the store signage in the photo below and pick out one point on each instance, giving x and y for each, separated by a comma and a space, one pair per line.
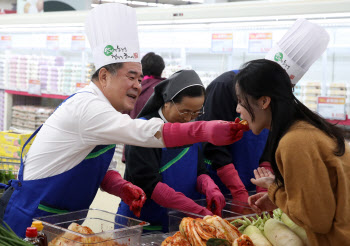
30, 6
52, 42
34, 87
332, 108
80, 85
259, 42
78, 42
5, 42
222, 42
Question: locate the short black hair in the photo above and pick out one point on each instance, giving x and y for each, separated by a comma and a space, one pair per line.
112, 68
152, 64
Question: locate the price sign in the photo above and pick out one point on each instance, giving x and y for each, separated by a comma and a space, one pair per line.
332, 108
78, 42
52, 42
5, 42
222, 42
34, 87
80, 85
260, 42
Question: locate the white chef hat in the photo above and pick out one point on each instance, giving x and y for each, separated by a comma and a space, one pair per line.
112, 32
299, 48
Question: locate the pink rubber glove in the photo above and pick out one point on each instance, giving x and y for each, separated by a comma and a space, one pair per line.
216, 132
267, 165
229, 176
167, 197
215, 199
132, 195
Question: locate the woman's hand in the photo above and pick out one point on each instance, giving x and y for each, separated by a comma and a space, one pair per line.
263, 177
261, 202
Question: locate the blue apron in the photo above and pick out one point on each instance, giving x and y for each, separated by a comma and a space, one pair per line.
66, 192
245, 154
178, 168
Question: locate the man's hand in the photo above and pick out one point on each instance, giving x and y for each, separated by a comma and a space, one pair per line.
261, 202
263, 177
217, 132
133, 196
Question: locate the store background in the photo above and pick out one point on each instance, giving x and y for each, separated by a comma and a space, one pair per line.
45, 56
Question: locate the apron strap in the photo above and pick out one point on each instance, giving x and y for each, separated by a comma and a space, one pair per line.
20, 174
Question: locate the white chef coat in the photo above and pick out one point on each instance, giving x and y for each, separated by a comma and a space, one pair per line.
80, 124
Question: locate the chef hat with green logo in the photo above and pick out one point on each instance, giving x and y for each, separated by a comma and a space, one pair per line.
299, 48
111, 29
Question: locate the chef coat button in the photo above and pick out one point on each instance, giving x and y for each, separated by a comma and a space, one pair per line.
19, 184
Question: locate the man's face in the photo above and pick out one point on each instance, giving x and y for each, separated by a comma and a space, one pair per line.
123, 89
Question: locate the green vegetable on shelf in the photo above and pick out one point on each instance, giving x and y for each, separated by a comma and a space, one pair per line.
9, 238
280, 235
2, 176
254, 228
277, 213
295, 228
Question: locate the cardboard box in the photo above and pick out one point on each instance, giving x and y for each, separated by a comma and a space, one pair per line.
13, 151
14, 138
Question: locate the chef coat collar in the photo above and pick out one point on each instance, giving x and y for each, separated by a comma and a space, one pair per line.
98, 92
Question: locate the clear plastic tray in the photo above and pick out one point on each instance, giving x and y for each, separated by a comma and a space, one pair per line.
109, 229
231, 211
154, 239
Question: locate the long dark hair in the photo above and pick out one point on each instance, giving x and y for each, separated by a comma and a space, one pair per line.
262, 77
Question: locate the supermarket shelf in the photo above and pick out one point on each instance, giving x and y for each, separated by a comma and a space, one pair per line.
23, 93
341, 122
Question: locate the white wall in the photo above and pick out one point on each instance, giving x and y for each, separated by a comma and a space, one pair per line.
8, 4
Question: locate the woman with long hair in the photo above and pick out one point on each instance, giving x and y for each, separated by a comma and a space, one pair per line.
309, 157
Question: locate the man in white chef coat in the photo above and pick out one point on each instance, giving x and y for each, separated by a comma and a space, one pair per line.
71, 154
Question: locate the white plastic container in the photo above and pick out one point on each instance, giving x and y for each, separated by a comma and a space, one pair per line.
109, 228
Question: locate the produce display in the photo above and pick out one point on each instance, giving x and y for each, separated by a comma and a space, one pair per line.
9, 237
70, 239
9, 168
277, 231
211, 230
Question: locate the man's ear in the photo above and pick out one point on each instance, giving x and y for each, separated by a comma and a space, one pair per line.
102, 77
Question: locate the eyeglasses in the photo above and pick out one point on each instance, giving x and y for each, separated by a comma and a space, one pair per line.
192, 114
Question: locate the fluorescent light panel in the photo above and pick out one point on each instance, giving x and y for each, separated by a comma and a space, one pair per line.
140, 3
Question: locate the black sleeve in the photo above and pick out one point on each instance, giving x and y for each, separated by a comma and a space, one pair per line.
142, 166
201, 169
220, 104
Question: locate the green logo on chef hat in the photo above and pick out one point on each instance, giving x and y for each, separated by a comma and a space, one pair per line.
108, 50
278, 56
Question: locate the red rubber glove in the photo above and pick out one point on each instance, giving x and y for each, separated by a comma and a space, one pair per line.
215, 199
229, 176
216, 132
167, 197
132, 195
267, 165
